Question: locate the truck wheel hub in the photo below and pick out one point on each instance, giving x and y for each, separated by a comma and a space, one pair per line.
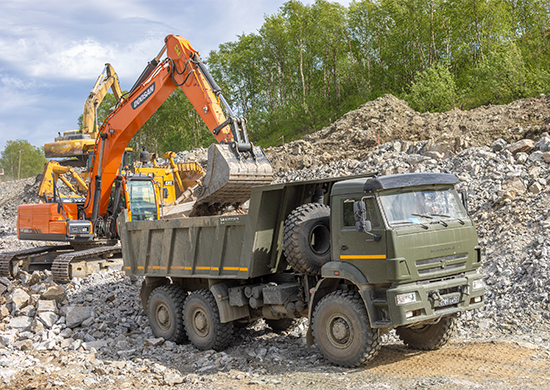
163, 317
340, 331
201, 323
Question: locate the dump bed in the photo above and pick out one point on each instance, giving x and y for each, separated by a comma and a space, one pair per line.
237, 246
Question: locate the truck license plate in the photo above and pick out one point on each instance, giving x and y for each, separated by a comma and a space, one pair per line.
448, 301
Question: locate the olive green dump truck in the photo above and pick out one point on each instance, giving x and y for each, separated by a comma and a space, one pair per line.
357, 256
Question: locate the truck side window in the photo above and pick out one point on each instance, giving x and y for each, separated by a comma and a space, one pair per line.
349, 218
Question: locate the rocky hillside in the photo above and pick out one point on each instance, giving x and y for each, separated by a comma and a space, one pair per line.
500, 154
439, 135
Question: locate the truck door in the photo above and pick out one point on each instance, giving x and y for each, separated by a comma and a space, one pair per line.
365, 250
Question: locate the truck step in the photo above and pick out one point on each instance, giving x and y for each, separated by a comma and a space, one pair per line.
380, 302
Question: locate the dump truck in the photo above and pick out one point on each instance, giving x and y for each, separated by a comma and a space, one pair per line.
358, 256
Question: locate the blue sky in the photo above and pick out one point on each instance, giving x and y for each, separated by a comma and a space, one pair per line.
52, 51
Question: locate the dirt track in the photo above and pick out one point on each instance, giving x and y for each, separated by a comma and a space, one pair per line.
460, 365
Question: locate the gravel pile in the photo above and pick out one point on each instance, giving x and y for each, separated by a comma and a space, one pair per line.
101, 319
96, 330
508, 190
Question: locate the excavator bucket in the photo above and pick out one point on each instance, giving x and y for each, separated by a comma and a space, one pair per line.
229, 179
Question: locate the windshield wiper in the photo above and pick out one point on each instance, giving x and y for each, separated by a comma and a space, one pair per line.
441, 222
440, 215
423, 215
409, 222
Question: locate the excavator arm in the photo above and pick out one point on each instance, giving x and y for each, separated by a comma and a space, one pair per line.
234, 165
53, 171
75, 143
107, 79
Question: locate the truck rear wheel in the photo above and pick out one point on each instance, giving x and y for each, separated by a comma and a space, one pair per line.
342, 331
202, 322
306, 238
164, 310
428, 336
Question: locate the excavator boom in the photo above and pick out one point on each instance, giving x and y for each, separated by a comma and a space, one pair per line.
234, 166
108, 79
75, 143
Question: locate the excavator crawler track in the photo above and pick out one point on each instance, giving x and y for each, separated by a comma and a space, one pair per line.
8, 260
61, 267
65, 261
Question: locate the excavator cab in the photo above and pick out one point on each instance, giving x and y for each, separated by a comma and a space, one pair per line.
142, 198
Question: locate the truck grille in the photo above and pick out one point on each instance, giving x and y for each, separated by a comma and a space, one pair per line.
439, 264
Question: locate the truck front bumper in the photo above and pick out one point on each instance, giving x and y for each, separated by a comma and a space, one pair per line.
429, 300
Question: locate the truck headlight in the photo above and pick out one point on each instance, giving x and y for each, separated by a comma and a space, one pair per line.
478, 284
403, 299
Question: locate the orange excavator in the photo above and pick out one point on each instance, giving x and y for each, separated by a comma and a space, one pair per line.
235, 165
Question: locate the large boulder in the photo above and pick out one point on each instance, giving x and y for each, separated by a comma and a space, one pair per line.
76, 315
20, 298
55, 292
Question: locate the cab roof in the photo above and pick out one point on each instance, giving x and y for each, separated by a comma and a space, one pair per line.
376, 183
408, 180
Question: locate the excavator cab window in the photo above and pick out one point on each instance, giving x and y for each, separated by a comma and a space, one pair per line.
128, 160
143, 202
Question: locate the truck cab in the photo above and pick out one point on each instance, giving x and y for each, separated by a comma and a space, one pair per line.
409, 240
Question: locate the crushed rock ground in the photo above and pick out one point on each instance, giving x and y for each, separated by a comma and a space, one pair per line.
500, 154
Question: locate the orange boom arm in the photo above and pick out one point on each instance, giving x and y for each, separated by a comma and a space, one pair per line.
181, 68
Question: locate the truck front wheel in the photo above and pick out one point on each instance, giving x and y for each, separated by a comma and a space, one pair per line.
428, 336
342, 331
202, 322
164, 310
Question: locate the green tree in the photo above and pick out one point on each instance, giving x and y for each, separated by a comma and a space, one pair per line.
433, 90
20, 159
499, 79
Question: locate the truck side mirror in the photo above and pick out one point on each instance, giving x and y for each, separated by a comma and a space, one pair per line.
360, 214
464, 199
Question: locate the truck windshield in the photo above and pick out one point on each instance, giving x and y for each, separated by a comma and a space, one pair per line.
422, 206
142, 200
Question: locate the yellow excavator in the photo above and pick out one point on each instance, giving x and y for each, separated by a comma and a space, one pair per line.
175, 179
53, 171
74, 145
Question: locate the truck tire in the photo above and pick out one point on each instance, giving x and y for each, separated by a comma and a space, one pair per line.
202, 322
306, 238
342, 330
428, 337
164, 310
282, 324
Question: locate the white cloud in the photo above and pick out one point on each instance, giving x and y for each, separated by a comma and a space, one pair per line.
52, 51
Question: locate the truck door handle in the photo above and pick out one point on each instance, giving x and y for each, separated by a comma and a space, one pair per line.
343, 248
